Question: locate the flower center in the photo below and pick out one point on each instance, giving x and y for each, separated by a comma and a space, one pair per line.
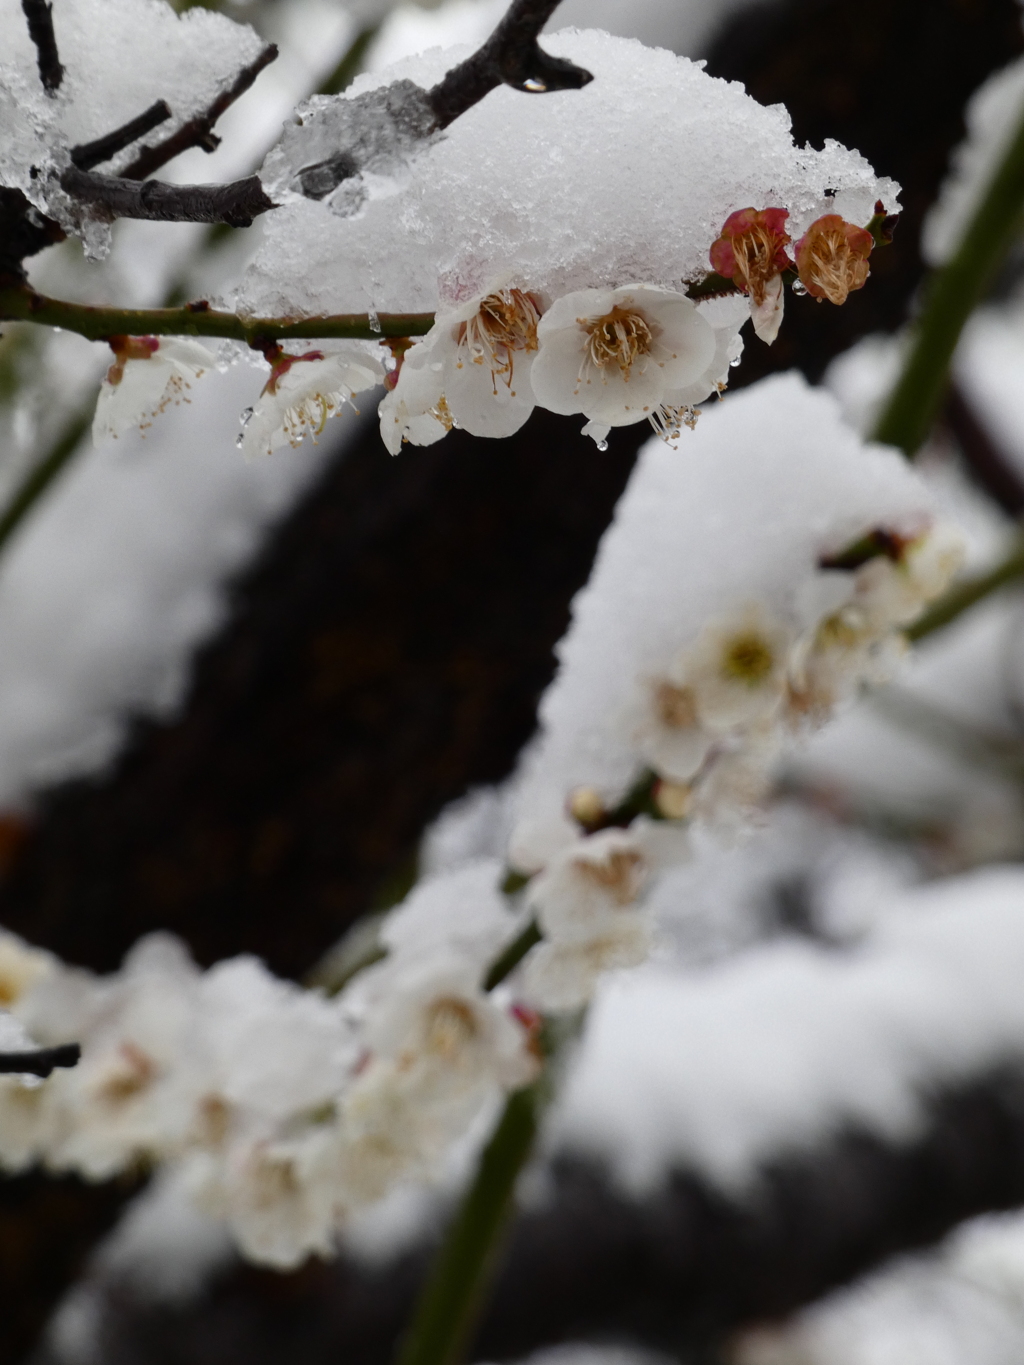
675, 706
833, 267
134, 1072
754, 251
618, 873
505, 322
747, 659
451, 1025
618, 338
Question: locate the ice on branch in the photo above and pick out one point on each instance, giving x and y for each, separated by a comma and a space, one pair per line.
471, 370
303, 391
710, 630
147, 376
333, 144
119, 56
626, 181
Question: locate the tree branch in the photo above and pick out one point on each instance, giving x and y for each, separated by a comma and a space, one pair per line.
40, 30
40, 1061
89, 154
236, 204
987, 465
21, 304
198, 131
511, 56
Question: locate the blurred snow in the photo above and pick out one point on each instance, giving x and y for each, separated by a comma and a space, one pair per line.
960, 1305
777, 1049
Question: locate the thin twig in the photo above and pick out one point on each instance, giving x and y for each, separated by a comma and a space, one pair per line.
40, 30
21, 304
511, 56
90, 154
41, 475
40, 1061
198, 131
236, 204
987, 464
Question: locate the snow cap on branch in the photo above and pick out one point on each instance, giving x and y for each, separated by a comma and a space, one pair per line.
684, 643
652, 158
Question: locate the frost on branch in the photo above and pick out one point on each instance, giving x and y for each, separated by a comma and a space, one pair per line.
119, 56
626, 181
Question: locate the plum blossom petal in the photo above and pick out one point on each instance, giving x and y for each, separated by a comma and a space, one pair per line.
736, 671
148, 375
616, 354
471, 370
302, 393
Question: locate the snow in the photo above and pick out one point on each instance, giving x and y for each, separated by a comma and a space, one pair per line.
119, 57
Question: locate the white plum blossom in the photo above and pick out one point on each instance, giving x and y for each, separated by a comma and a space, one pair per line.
618, 355
303, 391
737, 669
148, 375
276, 1195
471, 370
415, 409
21, 967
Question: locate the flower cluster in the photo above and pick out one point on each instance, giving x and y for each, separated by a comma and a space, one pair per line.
286, 1110
615, 356
831, 261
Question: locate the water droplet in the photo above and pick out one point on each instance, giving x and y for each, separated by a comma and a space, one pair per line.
239, 440
374, 321
245, 417
799, 287
734, 362
602, 445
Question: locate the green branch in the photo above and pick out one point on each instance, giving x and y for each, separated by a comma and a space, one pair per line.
968, 592
18, 303
459, 1277
950, 297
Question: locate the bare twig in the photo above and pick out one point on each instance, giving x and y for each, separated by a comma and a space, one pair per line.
40, 1061
89, 154
987, 464
511, 56
236, 204
40, 30
198, 131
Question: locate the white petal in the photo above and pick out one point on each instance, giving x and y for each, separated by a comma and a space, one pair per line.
483, 403
767, 316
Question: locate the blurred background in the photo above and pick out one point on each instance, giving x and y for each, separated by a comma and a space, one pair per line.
251, 702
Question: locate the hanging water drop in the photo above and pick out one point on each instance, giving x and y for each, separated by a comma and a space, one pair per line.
799, 287
245, 417
602, 445
734, 362
239, 440
374, 321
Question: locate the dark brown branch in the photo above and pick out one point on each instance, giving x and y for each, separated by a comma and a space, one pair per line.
24, 231
198, 131
40, 1061
988, 465
40, 30
236, 204
89, 154
511, 56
